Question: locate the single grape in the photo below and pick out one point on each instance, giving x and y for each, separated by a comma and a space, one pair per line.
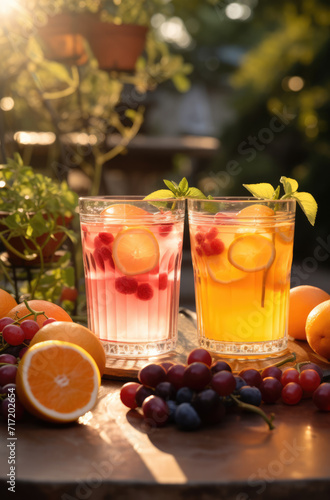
151, 375
312, 366
155, 411
19, 409
8, 359
271, 371
271, 389
290, 375
197, 376
321, 397
142, 393
165, 390
4, 322
223, 383
218, 366
7, 374
240, 382
13, 334
309, 380
291, 393
48, 321
187, 418
29, 328
184, 395
127, 394
22, 352
250, 395
166, 365
251, 376
7, 389
206, 402
199, 355
175, 375
172, 406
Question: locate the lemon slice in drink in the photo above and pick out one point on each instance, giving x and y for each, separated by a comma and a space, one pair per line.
222, 271
251, 253
135, 251
285, 233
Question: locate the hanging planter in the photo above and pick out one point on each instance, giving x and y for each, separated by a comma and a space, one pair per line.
117, 47
49, 243
61, 40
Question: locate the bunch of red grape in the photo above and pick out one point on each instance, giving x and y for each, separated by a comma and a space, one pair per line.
201, 392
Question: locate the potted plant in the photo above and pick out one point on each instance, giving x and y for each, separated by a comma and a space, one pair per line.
35, 213
60, 40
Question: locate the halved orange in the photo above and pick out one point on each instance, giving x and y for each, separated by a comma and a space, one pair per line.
124, 211
135, 251
57, 381
222, 271
251, 252
75, 334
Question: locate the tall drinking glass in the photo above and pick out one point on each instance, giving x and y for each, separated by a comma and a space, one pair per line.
132, 250
242, 255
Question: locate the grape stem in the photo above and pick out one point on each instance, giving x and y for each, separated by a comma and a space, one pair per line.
289, 359
255, 409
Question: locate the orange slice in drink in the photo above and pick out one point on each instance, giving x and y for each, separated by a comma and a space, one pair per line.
256, 211
222, 271
57, 381
285, 233
124, 211
135, 251
251, 252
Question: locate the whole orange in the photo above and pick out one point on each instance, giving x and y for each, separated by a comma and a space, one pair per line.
76, 334
7, 302
318, 329
51, 311
302, 300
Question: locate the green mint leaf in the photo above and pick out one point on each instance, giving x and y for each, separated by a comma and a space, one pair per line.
262, 190
161, 193
308, 205
183, 186
276, 194
195, 193
171, 185
290, 185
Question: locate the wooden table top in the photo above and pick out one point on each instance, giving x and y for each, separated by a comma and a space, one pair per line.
111, 454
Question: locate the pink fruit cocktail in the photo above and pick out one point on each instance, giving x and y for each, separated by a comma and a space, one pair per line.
132, 253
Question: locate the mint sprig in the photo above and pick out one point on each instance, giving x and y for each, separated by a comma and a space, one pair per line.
305, 200
181, 190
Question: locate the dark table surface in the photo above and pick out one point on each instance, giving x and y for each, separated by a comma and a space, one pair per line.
110, 453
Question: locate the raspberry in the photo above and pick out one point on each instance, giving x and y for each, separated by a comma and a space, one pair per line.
145, 292
107, 255
106, 238
98, 259
199, 251
163, 279
84, 228
98, 242
212, 233
199, 237
217, 246
126, 285
206, 248
165, 230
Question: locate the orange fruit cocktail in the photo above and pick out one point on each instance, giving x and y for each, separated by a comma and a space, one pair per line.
132, 252
242, 255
